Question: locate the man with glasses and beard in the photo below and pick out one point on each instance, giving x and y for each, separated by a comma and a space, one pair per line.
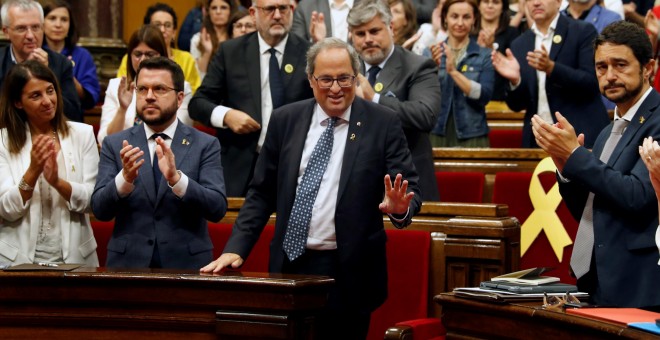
608, 190
160, 180
247, 79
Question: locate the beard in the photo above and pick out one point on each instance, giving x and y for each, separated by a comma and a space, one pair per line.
165, 116
627, 95
376, 57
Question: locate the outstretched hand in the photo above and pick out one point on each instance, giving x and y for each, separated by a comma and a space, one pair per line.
506, 65
397, 199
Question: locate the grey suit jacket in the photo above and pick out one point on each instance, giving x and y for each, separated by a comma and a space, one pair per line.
411, 88
234, 80
144, 216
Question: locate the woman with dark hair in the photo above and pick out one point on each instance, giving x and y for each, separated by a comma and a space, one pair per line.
48, 168
496, 33
215, 30
241, 23
118, 111
61, 36
163, 16
466, 79
404, 21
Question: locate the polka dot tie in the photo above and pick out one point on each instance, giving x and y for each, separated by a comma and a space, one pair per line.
295, 238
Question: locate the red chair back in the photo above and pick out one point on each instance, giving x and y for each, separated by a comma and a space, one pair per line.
464, 186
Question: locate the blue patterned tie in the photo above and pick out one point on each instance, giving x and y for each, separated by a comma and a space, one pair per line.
275, 80
295, 238
157, 174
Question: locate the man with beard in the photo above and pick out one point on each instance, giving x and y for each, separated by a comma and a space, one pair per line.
248, 78
160, 180
608, 190
400, 80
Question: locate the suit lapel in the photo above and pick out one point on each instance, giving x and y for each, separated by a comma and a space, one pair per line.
292, 55
389, 73
561, 31
252, 58
146, 173
353, 141
297, 142
644, 113
528, 45
181, 144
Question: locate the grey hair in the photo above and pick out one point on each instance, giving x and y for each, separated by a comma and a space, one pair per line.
366, 10
327, 44
23, 5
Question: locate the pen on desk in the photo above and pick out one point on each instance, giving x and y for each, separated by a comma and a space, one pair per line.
47, 264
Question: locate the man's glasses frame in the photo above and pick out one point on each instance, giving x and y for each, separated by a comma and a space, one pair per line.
24, 29
326, 82
270, 10
157, 90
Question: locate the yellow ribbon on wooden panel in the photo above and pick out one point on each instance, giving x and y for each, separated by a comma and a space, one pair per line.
544, 217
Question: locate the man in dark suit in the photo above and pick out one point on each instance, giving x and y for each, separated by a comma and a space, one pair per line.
551, 68
313, 19
160, 201
400, 80
22, 23
237, 93
343, 235
614, 255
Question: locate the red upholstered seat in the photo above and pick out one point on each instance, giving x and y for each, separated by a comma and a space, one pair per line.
211, 131
512, 188
464, 186
408, 253
102, 233
505, 138
257, 261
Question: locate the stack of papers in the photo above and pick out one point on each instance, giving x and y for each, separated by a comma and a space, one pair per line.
530, 276
503, 296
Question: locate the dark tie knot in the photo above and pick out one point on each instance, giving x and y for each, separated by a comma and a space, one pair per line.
272, 51
332, 121
161, 135
372, 73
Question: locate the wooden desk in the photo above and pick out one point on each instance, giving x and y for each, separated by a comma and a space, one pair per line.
465, 318
103, 303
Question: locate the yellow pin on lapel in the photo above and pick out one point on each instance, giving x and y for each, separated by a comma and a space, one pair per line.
288, 68
378, 87
464, 68
185, 142
556, 39
642, 120
353, 136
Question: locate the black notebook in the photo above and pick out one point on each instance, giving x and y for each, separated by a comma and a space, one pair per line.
520, 288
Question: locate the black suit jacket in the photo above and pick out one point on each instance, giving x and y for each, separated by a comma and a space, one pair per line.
233, 80
625, 211
378, 148
63, 70
412, 90
572, 87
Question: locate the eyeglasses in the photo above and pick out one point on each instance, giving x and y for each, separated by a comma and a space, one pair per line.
240, 26
555, 302
327, 82
167, 25
24, 29
158, 90
269, 10
146, 55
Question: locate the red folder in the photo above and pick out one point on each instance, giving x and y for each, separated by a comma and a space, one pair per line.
622, 316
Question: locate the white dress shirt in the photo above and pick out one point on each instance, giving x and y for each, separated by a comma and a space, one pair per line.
543, 109
338, 14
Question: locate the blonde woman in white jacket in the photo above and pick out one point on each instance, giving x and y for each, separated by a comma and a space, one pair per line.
48, 169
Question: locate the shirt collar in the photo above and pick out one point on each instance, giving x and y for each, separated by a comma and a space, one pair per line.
347, 3
264, 47
551, 29
320, 116
169, 131
633, 109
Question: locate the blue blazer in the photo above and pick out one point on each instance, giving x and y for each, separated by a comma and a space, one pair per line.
178, 224
375, 146
625, 211
572, 87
